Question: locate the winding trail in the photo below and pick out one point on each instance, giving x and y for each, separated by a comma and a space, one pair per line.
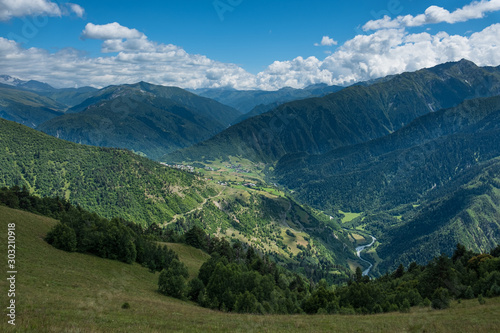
359, 249
200, 206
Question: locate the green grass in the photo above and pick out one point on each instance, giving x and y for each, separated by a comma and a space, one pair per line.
348, 217
193, 258
71, 292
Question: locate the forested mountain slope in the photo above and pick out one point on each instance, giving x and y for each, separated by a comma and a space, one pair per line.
153, 120
353, 115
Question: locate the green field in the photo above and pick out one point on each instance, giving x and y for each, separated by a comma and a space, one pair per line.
58, 291
348, 217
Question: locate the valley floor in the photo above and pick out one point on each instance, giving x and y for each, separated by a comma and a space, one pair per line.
70, 292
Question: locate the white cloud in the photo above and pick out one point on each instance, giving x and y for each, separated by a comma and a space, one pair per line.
435, 14
110, 31
326, 41
384, 52
20, 8
77, 9
155, 63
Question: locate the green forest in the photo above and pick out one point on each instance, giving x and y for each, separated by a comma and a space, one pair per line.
238, 279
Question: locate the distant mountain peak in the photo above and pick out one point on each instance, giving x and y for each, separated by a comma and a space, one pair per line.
10, 80
31, 85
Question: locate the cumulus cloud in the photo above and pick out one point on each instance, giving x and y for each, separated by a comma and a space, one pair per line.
383, 52
164, 64
326, 41
20, 8
77, 9
110, 31
435, 14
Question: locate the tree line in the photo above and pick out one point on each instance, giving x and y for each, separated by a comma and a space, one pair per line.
237, 278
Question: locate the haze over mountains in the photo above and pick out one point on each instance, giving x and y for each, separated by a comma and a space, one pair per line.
254, 102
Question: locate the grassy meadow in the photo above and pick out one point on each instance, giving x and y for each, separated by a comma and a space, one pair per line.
71, 292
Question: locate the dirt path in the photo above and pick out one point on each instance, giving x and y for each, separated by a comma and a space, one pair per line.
176, 216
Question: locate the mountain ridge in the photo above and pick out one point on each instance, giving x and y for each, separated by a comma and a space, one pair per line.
149, 119
353, 115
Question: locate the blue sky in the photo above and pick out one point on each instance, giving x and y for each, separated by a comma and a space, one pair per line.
239, 43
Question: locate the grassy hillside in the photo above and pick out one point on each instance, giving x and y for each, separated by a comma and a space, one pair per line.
70, 292
191, 257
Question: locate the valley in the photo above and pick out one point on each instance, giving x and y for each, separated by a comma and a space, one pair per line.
250, 166
341, 192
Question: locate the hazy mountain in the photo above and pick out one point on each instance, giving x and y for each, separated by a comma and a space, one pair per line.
11, 81
153, 120
67, 96
204, 106
353, 115
26, 107
246, 100
70, 96
31, 85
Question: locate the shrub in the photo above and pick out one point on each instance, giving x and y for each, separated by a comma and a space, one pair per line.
405, 307
441, 299
62, 237
172, 281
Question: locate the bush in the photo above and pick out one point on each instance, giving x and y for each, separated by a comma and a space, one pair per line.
126, 306
246, 303
441, 299
426, 302
62, 237
405, 307
172, 281
469, 293
195, 287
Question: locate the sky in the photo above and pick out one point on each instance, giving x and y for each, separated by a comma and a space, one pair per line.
240, 44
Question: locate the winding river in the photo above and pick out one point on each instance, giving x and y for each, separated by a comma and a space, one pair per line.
359, 249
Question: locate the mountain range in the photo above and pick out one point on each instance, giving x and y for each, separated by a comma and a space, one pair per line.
153, 120
246, 101
413, 157
413, 154
353, 115
118, 183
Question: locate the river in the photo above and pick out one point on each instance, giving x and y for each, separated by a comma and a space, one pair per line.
359, 249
